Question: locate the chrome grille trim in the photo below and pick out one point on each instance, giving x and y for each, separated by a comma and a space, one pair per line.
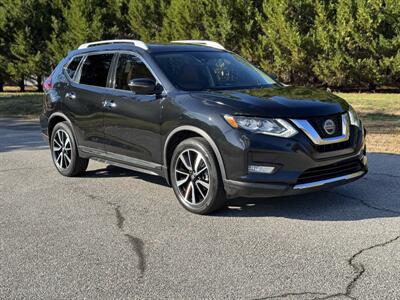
326, 181
313, 135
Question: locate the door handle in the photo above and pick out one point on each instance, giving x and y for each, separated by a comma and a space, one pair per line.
70, 96
109, 104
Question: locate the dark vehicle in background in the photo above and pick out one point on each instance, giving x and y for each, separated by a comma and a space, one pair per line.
213, 125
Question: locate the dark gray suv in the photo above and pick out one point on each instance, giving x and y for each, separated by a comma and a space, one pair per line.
209, 122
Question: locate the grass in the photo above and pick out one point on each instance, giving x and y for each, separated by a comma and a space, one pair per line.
379, 112
27, 105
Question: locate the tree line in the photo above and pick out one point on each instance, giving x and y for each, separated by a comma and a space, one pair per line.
335, 43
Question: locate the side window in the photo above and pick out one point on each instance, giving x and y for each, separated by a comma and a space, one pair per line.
130, 67
95, 69
73, 66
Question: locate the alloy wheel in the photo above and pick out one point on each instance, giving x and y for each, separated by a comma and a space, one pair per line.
192, 177
62, 150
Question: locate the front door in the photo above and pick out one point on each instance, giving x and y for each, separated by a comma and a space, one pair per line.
132, 121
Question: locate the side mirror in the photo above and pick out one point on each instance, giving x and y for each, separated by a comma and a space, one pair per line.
144, 86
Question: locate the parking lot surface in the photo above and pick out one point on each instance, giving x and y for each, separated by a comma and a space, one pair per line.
119, 234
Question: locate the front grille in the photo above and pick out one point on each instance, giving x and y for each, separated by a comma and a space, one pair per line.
330, 171
333, 147
318, 124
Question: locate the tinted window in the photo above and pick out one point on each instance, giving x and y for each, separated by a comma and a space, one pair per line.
95, 69
73, 66
212, 70
130, 67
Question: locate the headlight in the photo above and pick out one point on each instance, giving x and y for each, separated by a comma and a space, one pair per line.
354, 120
275, 127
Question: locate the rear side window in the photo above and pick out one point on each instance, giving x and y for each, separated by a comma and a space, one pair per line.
95, 69
130, 67
73, 66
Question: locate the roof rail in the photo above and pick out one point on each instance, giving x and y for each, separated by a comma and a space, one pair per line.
201, 42
137, 43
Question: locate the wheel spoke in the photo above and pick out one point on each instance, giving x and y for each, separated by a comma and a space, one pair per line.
60, 138
197, 162
58, 158
190, 160
68, 160
182, 181
199, 189
57, 143
62, 160
201, 171
181, 172
185, 163
203, 183
188, 189
193, 194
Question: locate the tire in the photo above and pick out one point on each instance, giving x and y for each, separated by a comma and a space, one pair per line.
65, 152
196, 178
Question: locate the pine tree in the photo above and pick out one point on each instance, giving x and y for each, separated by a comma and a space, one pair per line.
146, 18
10, 14
244, 28
334, 42
280, 44
203, 19
75, 24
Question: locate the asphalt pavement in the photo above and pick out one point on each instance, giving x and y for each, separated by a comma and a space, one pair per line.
118, 234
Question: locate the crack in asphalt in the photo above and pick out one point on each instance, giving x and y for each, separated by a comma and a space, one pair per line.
388, 210
291, 294
358, 269
118, 215
138, 247
137, 244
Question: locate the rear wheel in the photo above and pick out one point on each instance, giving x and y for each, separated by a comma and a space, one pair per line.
195, 176
64, 151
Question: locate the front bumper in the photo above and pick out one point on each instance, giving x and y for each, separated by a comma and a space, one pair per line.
300, 165
246, 189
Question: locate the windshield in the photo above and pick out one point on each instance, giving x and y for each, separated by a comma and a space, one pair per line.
196, 71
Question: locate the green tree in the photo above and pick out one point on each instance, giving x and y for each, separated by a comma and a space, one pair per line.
10, 23
145, 18
333, 42
73, 25
280, 43
203, 19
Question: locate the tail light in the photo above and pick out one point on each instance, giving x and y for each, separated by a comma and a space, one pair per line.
47, 84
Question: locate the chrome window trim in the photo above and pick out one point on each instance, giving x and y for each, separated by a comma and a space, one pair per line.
313, 135
326, 181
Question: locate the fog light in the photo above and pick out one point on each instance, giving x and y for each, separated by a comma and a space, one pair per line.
261, 169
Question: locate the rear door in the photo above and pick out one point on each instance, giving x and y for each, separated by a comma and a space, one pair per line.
84, 98
132, 121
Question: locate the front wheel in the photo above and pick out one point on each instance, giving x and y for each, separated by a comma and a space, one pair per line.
195, 176
64, 151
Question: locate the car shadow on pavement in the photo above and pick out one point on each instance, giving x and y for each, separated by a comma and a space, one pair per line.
377, 195
113, 171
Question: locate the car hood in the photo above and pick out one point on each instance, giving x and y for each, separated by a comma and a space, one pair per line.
279, 102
